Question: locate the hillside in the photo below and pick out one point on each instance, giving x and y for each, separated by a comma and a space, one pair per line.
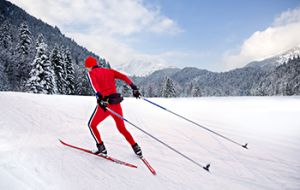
275, 61
32, 157
15, 66
248, 81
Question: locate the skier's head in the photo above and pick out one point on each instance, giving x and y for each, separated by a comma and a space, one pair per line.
90, 62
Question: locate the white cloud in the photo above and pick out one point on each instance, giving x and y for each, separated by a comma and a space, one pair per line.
103, 26
288, 17
124, 17
281, 36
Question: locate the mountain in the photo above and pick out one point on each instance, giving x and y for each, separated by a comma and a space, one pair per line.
277, 75
272, 62
283, 80
141, 67
196, 82
247, 81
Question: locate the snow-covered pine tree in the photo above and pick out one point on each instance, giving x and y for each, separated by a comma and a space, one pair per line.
188, 90
82, 83
143, 92
102, 62
4, 84
150, 91
69, 78
196, 91
23, 51
42, 75
5, 35
23, 47
64, 82
168, 88
58, 67
8, 64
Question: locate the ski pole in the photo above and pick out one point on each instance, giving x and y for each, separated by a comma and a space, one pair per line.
203, 127
206, 167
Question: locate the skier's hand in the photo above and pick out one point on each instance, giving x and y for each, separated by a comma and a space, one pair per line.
99, 96
100, 101
135, 91
102, 104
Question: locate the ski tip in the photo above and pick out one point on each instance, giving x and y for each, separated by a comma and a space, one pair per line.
206, 167
245, 146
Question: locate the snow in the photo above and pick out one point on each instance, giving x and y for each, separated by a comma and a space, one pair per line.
140, 67
31, 156
290, 54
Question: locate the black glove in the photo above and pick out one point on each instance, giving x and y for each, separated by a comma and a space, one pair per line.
102, 104
135, 91
100, 101
99, 96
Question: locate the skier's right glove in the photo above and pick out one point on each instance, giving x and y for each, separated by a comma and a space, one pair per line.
102, 104
100, 101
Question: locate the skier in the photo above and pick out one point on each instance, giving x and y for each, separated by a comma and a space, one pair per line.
103, 83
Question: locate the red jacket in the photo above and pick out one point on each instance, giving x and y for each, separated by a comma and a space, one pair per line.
103, 80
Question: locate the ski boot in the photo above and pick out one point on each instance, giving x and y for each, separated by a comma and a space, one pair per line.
101, 150
137, 150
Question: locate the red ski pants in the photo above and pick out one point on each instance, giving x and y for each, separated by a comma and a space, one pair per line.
99, 115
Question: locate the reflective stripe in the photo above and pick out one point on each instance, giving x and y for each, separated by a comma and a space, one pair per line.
91, 82
90, 122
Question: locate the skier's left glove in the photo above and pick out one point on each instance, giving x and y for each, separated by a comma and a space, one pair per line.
135, 91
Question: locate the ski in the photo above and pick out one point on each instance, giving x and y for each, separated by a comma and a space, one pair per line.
101, 156
148, 165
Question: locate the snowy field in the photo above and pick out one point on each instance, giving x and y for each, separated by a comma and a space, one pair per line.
31, 156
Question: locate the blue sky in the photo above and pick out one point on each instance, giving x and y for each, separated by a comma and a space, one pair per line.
217, 35
213, 27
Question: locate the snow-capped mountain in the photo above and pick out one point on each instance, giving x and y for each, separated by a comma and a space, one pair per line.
141, 67
277, 60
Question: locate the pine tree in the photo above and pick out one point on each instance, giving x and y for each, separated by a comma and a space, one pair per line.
23, 47
168, 89
64, 82
69, 77
4, 84
196, 91
23, 58
8, 65
58, 67
102, 63
5, 35
41, 76
82, 83
150, 92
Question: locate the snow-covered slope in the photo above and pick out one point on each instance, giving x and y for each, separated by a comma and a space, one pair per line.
276, 60
32, 158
